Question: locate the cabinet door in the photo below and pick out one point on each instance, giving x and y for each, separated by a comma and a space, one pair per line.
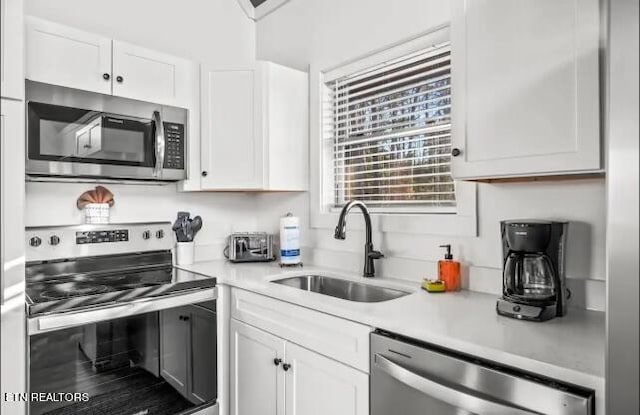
525, 87
147, 75
174, 346
11, 49
257, 383
11, 200
60, 55
231, 147
318, 385
202, 358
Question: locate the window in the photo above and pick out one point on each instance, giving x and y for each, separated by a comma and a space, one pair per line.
389, 127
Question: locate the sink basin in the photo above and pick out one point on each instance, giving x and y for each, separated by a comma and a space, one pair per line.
347, 290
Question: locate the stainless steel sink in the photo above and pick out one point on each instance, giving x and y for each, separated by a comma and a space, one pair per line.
347, 290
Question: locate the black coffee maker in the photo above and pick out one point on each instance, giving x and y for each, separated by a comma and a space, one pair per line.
533, 279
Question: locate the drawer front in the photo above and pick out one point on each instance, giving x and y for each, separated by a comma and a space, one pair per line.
340, 339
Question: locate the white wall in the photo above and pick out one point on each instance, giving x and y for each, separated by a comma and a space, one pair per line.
207, 31
332, 32
55, 204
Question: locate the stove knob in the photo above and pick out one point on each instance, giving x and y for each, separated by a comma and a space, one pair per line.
54, 240
35, 241
160, 234
146, 235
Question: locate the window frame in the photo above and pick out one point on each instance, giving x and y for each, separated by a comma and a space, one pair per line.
459, 221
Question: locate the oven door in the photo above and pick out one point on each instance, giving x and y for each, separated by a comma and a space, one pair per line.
160, 359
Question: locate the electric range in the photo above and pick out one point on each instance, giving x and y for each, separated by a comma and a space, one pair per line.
111, 320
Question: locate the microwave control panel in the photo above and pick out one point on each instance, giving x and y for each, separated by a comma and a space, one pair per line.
174, 146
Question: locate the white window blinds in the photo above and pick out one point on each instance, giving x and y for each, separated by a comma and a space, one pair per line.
390, 128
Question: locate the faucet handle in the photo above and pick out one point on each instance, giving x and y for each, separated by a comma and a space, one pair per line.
375, 255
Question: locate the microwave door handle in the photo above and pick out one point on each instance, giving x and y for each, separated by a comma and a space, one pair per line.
445, 393
159, 144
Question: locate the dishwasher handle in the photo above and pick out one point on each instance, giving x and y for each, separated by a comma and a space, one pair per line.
455, 397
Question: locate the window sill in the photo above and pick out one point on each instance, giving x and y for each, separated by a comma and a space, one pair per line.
463, 223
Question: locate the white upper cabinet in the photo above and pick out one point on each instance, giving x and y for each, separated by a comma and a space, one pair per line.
525, 83
65, 56
254, 129
147, 75
11, 49
61, 55
231, 156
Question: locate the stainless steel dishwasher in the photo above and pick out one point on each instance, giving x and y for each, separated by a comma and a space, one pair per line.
413, 378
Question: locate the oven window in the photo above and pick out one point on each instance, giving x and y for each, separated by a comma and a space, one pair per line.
76, 135
155, 363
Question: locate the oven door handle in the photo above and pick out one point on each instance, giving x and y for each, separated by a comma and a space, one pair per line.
159, 144
446, 393
144, 305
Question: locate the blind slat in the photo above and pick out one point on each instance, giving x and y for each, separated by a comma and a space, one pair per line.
382, 153
330, 114
401, 160
406, 177
358, 114
344, 94
404, 141
396, 134
340, 104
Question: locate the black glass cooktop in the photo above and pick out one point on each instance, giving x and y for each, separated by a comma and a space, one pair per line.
69, 286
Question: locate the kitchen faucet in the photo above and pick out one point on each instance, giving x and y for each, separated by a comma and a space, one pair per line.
369, 253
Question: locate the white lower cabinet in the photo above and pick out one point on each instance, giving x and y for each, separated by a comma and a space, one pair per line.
257, 383
270, 375
317, 385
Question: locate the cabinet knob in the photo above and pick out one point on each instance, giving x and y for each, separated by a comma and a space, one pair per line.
54, 240
277, 361
146, 235
35, 241
286, 366
184, 318
204, 174
119, 79
456, 152
160, 234
106, 76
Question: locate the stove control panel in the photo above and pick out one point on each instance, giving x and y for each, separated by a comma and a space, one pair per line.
96, 237
44, 243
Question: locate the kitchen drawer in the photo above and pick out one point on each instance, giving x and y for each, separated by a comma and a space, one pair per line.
340, 339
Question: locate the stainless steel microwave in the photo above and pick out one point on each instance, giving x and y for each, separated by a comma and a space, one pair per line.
73, 133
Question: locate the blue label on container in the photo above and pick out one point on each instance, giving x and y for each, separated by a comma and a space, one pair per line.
289, 252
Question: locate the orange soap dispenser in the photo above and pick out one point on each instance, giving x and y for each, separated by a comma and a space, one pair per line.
449, 270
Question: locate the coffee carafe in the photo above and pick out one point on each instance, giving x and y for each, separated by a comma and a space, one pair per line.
533, 279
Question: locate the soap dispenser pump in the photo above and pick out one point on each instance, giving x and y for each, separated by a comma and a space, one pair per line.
449, 270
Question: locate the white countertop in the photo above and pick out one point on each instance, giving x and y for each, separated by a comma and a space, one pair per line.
571, 348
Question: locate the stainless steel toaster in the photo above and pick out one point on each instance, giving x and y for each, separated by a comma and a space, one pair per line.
250, 247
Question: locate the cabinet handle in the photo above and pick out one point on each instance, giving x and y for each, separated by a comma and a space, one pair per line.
277, 361
119, 79
204, 174
106, 76
184, 318
286, 366
456, 152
